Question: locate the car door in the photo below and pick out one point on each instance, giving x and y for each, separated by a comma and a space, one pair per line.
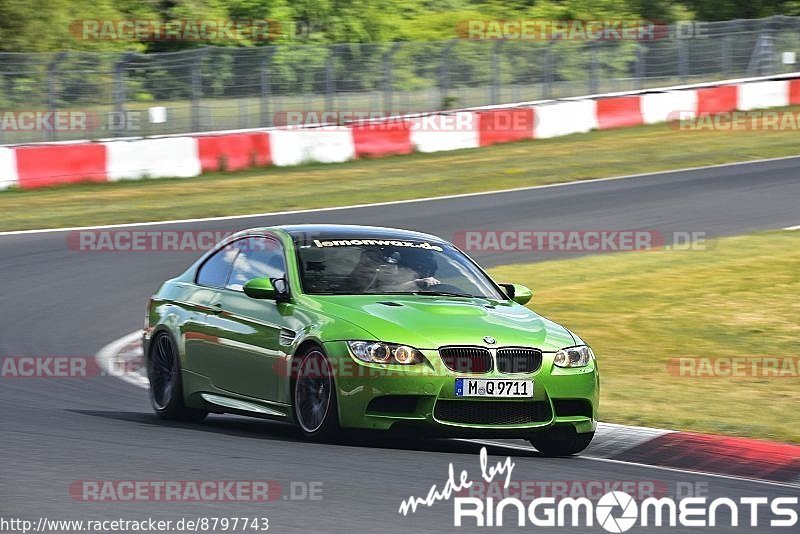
246, 331
201, 333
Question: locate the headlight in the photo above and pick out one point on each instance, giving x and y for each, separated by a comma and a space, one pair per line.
379, 352
574, 357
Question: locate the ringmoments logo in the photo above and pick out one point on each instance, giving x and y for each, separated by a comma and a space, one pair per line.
615, 511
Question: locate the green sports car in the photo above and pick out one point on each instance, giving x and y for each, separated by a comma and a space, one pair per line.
334, 327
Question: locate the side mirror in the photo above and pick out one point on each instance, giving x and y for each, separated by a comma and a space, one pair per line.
260, 288
518, 293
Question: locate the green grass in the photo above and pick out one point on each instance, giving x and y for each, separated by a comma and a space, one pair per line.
527, 163
639, 309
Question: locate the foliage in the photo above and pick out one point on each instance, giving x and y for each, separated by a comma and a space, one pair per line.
43, 25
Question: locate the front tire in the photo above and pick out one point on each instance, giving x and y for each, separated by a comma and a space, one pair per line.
561, 441
166, 386
316, 411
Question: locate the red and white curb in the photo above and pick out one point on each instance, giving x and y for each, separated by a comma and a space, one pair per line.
685, 451
124, 359
721, 455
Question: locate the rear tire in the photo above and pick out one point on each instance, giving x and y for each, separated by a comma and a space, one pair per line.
561, 441
316, 410
166, 386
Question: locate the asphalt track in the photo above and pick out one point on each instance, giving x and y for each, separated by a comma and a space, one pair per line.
59, 301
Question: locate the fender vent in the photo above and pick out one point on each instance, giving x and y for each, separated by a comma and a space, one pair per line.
287, 337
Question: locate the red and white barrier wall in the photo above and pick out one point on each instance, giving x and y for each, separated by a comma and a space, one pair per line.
8, 167
177, 157
186, 156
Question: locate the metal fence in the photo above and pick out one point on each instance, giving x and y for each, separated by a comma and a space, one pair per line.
216, 88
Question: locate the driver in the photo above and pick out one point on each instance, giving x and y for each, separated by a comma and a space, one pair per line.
393, 269
419, 266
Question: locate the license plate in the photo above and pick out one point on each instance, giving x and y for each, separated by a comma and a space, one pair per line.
493, 387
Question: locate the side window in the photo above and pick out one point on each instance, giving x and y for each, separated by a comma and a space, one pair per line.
258, 257
214, 272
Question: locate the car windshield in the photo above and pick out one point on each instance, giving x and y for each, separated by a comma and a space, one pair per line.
386, 267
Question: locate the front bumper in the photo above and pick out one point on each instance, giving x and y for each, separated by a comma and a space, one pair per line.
421, 398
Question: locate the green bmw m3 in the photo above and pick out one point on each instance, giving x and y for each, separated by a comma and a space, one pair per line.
336, 327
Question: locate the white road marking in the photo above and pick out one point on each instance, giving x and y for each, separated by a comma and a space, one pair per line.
792, 485
790, 228
393, 202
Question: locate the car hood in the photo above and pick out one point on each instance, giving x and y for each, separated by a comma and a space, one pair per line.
427, 322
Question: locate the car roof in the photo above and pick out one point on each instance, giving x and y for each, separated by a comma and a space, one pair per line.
304, 232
